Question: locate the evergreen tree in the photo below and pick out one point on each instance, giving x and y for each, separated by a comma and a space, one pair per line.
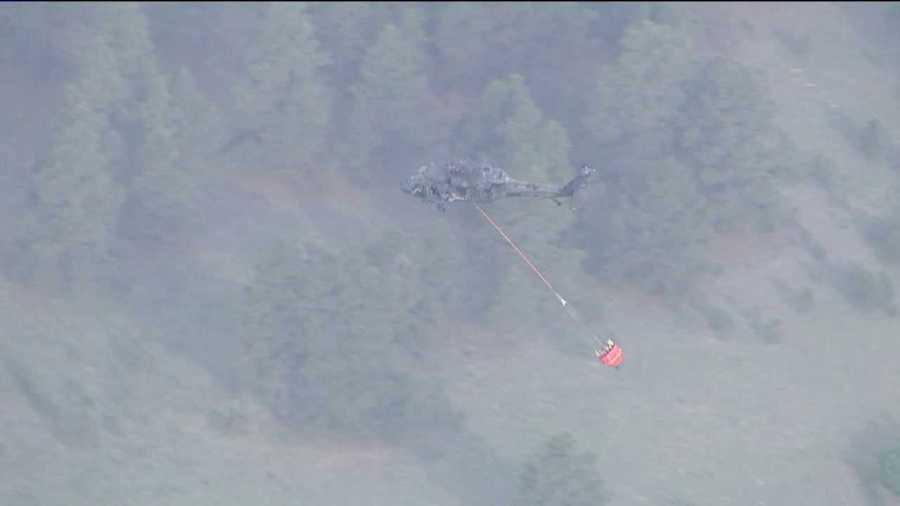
347, 29
157, 166
653, 241
638, 97
728, 136
558, 475
332, 338
691, 144
889, 469
510, 130
722, 125
392, 122
198, 121
466, 39
133, 137
77, 192
283, 100
553, 47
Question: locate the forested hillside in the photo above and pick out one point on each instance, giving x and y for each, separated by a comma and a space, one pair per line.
212, 290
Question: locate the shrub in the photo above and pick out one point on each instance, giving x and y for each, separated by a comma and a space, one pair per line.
863, 288
228, 420
769, 330
560, 476
889, 470
883, 236
801, 301
719, 320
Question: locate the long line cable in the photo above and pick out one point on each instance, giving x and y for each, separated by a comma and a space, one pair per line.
569, 310
522, 254
566, 306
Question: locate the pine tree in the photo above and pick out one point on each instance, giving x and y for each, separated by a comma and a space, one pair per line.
392, 122
331, 337
557, 475
155, 169
510, 130
283, 99
78, 195
692, 145
889, 470
347, 29
638, 97
198, 121
550, 45
724, 125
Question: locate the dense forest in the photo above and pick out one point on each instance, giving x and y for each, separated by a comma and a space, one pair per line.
213, 290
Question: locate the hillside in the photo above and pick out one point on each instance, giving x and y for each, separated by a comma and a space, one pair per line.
214, 292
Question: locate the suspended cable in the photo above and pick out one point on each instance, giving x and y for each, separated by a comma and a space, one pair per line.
523, 256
